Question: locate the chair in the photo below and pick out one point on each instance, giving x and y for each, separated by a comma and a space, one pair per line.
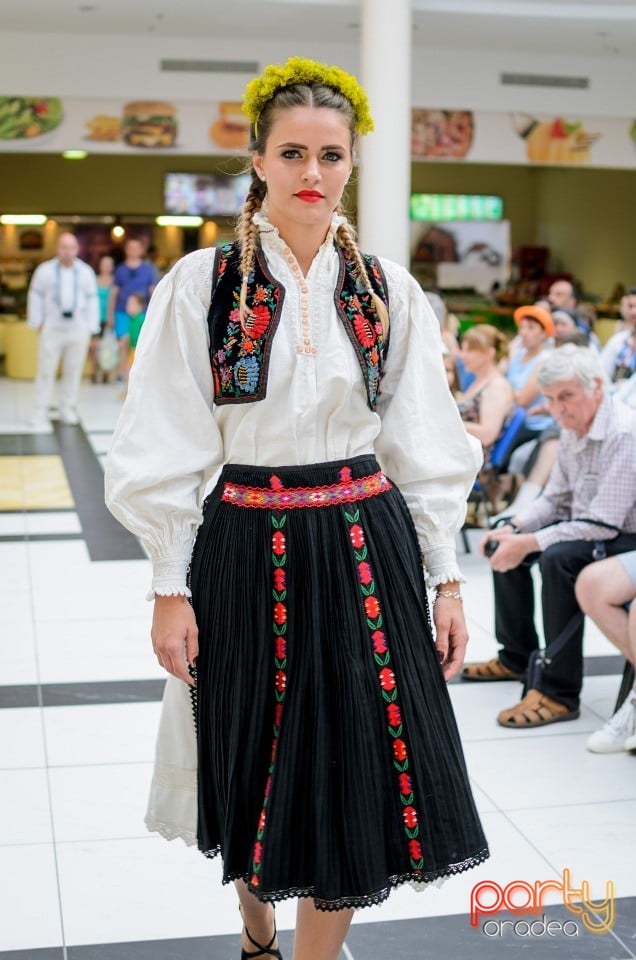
498, 456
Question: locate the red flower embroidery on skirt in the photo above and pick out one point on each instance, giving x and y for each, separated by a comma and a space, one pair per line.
280, 613
379, 641
399, 750
387, 679
261, 821
406, 784
278, 714
372, 606
364, 573
280, 648
357, 536
394, 715
278, 543
410, 817
279, 579
255, 882
280, 680
415, 849
364, 331
258, 852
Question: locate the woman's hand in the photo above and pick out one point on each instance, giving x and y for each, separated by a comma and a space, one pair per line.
451, 633
175, 637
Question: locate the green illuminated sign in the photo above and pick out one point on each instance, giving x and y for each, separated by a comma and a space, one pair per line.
455, 206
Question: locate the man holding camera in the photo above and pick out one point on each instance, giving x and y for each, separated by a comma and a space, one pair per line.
587, 511
63, 305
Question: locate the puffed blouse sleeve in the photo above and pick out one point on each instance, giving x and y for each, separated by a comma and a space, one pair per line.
423, 445
166, 443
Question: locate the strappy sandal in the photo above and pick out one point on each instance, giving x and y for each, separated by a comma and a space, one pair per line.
535, 710
261, 951
488, 671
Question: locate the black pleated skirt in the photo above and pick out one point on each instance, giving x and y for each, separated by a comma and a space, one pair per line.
330, 764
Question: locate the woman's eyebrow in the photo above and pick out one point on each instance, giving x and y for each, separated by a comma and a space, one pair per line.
303, 146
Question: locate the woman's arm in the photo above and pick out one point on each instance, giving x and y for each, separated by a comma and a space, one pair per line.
496, 402
166, 443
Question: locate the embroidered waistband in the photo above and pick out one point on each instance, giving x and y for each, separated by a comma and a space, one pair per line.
278, 497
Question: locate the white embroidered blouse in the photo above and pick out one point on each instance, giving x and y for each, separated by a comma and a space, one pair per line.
171, 440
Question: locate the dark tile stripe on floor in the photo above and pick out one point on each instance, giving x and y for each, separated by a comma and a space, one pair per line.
146, 691
434, 938
22, 537
105, 538
81, 694
28, 444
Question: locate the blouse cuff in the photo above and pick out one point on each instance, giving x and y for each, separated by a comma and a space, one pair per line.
169, 577
440, 565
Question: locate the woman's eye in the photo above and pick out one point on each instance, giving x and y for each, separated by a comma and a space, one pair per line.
290, 154
333, 157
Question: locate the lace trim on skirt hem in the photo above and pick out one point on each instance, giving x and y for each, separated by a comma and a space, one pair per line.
171, 832
419, 881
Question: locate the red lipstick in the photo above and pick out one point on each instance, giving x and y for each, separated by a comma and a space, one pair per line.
309, 196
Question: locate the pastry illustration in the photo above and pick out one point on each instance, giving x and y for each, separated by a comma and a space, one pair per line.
441, 133
232, 130
554, 141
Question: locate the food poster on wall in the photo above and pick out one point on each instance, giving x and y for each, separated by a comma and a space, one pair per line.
51, 125
137, 126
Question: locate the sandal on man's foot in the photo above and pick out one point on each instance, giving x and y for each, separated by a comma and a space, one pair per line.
535, 710
489, 670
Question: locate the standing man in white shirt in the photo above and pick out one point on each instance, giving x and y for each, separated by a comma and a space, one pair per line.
63, 305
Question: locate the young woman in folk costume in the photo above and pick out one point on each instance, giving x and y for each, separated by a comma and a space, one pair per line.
290, 602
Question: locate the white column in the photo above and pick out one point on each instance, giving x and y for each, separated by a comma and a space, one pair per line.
384, 174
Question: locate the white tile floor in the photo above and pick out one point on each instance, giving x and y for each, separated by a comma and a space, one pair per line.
73, 779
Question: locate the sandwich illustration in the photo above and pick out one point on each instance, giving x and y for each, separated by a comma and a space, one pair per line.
149, 124
232, 130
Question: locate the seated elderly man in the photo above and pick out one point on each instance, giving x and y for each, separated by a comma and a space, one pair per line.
586, 511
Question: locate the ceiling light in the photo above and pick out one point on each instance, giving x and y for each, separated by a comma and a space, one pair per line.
118, 231
167, 221
24, 219
74, 154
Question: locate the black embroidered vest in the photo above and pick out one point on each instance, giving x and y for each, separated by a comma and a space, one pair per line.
240, 361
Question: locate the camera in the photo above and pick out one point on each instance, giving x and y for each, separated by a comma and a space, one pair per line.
67, 314
490, 546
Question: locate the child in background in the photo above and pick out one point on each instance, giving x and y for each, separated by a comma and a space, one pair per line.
136, 309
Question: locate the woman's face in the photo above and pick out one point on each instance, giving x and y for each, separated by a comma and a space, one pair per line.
475, 357
563, 323
306, 164
531, 334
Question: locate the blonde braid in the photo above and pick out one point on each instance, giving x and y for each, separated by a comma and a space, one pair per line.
247, 235
345, 238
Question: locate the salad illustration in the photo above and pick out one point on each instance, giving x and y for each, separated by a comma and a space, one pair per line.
23, 118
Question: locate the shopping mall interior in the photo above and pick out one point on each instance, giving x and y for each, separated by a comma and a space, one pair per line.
522, 110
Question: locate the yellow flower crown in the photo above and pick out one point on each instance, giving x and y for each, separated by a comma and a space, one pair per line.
260, 91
